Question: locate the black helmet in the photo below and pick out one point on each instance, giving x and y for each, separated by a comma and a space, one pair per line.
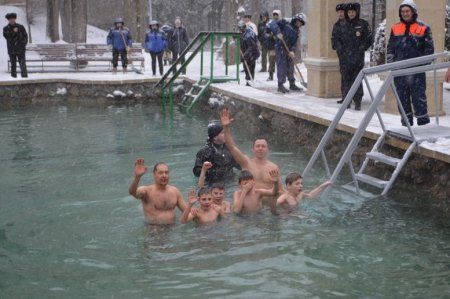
264, 14
214, 129
341, 6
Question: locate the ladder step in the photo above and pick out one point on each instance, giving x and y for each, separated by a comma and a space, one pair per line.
380, 157
371, 180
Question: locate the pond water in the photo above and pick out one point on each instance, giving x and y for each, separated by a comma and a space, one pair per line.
69, 229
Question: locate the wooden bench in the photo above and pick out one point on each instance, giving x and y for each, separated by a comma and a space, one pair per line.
78, 56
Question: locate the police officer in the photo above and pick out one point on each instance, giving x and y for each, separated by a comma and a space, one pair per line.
16, 38
358, 38
119, 38
250, 51
338, 35
411, 38
216, 152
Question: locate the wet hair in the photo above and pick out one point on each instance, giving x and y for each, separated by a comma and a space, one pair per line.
260, 138
203, 190
220, 186
245, 176
157, 164
292, 177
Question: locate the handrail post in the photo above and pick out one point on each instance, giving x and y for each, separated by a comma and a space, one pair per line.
212, 57
170, 96
238, 57
226, 55
201, 57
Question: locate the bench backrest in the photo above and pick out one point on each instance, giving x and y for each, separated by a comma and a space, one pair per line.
53, 52
102, 52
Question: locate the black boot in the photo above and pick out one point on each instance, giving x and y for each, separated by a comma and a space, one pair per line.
281, 88
294, 87
357, 104
340, 101
270, 76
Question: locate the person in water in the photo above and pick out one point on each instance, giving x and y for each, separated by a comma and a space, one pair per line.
294, 195
159, 200
217, 189
216, 152
208, 212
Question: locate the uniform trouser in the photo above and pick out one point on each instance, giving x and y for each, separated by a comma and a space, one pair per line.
349, 72
251, 69
285, 66
23, 66
158, 56
411, 90
264, 54
271, 61
174, 58
123, 57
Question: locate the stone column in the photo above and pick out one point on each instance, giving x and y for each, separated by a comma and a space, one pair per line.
324, 78
433, 14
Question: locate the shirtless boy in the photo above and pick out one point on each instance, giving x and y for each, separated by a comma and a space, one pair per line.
160, 199
249, 198
291, 199
217, 189
208, 212
259, 165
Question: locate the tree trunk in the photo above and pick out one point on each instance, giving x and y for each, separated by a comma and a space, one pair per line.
74, 20
53, 20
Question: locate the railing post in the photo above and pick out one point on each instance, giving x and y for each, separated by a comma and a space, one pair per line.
201, 57
238, 57
163, 97
226, 55
212, 57
170, 96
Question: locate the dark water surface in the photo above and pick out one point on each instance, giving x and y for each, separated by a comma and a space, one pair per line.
69, 229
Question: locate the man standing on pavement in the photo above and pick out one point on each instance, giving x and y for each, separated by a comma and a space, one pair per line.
338, 35
16, 38
411, 38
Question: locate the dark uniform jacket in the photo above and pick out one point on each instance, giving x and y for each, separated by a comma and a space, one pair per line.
358, 40
338, 36
16, 41
409, 40
249, 45
290, 35
179, 40
221, 159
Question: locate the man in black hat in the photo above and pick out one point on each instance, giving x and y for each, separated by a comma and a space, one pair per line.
16, 38
338, 36
216, 152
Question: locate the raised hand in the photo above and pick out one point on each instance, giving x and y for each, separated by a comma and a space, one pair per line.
247, 186
225, 117
192, 197
207, 165
274, 175
139, 167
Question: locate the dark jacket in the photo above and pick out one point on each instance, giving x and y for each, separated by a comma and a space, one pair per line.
290, 35
358, 39
340, 29
117, 37
168, 30
179, 40
221, 159
16, 41
409, 40
249, 45
155, 41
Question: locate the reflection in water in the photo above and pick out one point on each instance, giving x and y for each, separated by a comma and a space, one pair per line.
68, 227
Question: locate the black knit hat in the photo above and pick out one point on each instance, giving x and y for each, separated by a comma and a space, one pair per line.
214, 129
11, 15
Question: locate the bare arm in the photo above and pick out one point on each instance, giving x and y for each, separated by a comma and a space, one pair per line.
317, 190
181, 204
187, 215
240, 158
201, 180
139, 170
238, 201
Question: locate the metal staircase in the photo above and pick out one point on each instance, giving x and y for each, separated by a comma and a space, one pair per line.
198, 45
414, 135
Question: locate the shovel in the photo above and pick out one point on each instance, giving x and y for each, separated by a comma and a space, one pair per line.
302, 80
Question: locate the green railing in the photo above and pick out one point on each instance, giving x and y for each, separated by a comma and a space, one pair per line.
198, 46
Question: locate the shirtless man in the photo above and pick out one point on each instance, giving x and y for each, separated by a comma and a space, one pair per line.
208, 212
295, 194
160, 199
217, 189
259, 165
249, 198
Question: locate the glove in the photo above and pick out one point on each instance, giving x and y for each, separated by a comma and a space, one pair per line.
280, 35
292, 54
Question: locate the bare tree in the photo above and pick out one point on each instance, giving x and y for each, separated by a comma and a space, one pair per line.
53, 20
74, 20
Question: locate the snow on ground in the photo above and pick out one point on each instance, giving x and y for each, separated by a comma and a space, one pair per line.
265, 91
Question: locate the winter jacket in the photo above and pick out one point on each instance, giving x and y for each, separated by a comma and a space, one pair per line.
249, 45
155, 41
409, 40
357, 40
179, 40
116, 38
262, 26
290, 35
168, 31
221, 159
16, 41
338, 36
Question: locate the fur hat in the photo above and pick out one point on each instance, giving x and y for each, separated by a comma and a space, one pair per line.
11, 15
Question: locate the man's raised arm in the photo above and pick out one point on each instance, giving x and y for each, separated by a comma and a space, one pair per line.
225, 119
139, 170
